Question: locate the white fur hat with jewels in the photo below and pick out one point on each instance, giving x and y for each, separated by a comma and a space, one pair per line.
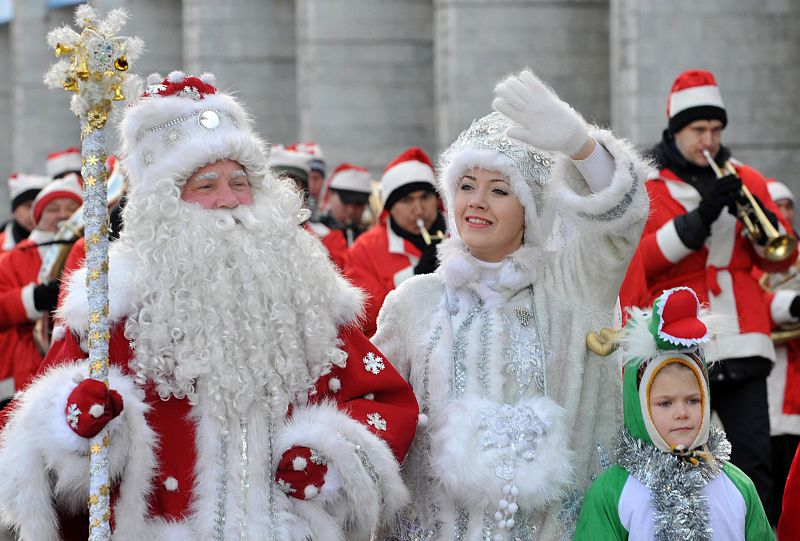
485, 145
182, 123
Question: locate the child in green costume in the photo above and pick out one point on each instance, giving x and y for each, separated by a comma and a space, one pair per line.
672, 480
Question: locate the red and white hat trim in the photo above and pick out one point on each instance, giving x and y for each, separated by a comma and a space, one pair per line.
401, 172
63, 161
351, 177
696, 96
68, 187
289, 156
778, 190
679, 324
19, 183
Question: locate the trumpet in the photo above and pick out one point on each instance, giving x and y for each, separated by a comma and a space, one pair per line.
778, 247
426, 236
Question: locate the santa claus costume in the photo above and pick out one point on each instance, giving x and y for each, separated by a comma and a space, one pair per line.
242, 401
519, 413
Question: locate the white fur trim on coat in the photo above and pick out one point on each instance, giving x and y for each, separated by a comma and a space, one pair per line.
45, 465
607, 209
466, 469
338, 438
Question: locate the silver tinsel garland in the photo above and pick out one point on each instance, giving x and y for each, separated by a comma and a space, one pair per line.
676, 485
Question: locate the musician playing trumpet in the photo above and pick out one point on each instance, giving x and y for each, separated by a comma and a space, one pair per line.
403, 242
23, 300
695, 237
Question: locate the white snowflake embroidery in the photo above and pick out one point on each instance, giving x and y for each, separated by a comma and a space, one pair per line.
190, 92
156, 89
369, 396
373, 363
286, 487
72, 415
317, 458
377, 421
172, 136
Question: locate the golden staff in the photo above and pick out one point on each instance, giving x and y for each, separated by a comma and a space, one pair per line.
93, 65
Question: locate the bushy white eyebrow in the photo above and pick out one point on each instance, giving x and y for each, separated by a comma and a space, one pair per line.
238, 173
208, 175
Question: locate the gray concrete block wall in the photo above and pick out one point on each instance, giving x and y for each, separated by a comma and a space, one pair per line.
754, 52
250, 46
41, 119
365, 78
479, 42
6, 133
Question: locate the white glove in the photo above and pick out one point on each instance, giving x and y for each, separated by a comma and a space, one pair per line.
545, 121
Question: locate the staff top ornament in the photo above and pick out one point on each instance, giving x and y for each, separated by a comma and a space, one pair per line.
94, 62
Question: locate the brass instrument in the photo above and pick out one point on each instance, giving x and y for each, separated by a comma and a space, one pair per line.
426, 236
773, 281
778, 247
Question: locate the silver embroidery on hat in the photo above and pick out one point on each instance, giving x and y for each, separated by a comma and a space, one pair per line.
489, 133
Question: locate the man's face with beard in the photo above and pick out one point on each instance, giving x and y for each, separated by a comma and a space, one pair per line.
219, 185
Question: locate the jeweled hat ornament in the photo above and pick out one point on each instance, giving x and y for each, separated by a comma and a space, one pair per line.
181, 123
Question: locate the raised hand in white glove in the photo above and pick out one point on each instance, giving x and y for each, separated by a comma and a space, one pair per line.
545, 121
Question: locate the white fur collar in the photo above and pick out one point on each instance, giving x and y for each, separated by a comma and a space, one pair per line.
122, 299
461, 274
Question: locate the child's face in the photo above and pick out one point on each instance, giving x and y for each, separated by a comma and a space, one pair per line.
675, 405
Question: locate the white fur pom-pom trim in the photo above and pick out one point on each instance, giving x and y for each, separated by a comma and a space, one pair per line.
310, 491
78, 377
97, 410
176, 76
422, 419
171, 484
334, 384
209, 78
154, 79
299, 463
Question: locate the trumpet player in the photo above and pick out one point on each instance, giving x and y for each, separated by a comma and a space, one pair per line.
693, 238
395, 248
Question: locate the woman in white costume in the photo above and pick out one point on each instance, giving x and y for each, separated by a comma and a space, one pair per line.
519, 413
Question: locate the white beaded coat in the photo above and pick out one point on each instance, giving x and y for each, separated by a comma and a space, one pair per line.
520, 415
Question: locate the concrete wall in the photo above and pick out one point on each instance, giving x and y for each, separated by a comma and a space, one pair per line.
6, 134
365, 78
478, 42
250, 46
752, 48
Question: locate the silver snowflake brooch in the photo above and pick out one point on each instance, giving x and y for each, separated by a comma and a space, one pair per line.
373, 363
408, 530
377, 421
286, 487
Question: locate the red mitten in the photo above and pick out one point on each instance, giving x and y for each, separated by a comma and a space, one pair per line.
301, 472
91, 406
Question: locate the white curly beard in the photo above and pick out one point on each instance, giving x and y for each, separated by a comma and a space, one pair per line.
234, 305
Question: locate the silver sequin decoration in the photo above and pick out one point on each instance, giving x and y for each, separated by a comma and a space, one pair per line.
462, 524
172, 137
483, 364
458, 383
222, 490
245, 488
372, 472
676, 486
197, 115
409, 530
515, 428
426, 394
526, 356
